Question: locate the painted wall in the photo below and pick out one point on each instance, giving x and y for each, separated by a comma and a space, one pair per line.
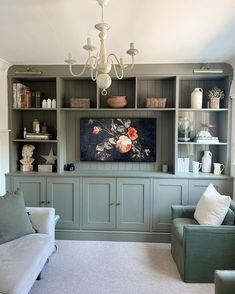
4, 133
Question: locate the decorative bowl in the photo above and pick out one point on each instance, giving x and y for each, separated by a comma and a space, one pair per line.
117, 101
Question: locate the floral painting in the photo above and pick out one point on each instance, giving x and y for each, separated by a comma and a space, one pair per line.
118, 139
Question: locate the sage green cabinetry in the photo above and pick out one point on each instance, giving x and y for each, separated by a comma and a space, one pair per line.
167, 192
63, 195
133, 204
34, 190
110, 203
98, 203
58, 192
197, 187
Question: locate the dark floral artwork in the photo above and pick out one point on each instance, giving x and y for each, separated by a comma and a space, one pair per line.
118, 139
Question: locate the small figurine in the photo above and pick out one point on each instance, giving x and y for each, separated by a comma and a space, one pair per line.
27, 160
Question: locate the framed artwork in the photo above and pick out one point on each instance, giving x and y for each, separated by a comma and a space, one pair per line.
118, 139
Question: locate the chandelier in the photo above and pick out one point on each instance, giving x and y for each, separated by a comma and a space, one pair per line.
100, 64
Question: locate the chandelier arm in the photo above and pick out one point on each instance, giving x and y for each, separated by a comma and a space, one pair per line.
130, 66
81, 73
114, 66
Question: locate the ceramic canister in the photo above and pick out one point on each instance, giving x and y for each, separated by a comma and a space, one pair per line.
196, 98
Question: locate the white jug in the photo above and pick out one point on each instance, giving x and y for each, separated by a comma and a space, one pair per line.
196, 98
206, 162
196, 166
218, 168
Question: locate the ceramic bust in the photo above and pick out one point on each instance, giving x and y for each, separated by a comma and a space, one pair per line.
27, 160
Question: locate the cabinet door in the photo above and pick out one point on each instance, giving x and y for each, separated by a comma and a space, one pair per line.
62, 194
34, 190
167, 192
197, 187
133, 204
98, 199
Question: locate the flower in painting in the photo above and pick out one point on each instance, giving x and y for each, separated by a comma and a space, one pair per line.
123, 144
132, 134
96, 130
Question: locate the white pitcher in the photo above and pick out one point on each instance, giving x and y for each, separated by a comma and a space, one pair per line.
196, 166
218, 168
206, 162
196, 98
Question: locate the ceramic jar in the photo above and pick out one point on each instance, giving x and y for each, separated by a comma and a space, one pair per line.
196, 98
206, 162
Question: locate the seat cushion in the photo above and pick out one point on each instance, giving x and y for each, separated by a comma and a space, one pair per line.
14, 220
178, 227
21, 262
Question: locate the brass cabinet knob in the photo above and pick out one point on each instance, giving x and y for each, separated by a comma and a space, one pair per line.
118, 204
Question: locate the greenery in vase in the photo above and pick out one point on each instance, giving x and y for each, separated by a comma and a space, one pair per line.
216, 93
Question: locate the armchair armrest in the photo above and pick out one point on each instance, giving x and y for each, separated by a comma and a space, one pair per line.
181, 211
224, 281
43, 219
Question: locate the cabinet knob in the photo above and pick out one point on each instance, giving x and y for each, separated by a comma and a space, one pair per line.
118, 204
42, 202
48, 202
111, 204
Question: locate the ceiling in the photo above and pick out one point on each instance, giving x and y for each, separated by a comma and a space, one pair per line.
164, 31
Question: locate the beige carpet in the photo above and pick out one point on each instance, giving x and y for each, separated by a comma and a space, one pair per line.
94, 267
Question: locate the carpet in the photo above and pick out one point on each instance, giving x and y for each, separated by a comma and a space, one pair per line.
97, 267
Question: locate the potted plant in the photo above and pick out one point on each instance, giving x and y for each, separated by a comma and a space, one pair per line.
214, 96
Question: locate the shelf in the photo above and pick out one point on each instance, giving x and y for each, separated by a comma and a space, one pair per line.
118, 109
194, 143
41, 141
33, 109
203, 109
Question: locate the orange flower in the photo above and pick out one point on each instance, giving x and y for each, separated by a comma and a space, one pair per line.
123, 144
132, 134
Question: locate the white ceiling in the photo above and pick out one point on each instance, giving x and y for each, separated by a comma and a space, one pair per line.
43, 31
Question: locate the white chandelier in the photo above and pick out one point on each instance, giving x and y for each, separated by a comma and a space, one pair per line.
101, 64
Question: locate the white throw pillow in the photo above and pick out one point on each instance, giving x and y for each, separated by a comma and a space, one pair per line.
212, 207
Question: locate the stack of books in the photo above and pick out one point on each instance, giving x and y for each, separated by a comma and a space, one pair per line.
183, 164
23, 97
206, 140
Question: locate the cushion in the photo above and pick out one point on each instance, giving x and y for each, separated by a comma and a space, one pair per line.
14, 220
212, 207
229, 218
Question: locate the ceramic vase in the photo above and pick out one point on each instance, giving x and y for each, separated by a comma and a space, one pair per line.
196, 98
206, 162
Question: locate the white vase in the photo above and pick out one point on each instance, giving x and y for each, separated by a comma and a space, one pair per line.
206, 162
196, 98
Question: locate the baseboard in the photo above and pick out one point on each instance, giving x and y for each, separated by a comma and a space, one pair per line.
155, 237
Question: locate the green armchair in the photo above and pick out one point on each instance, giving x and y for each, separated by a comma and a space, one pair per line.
224, 282
199, 250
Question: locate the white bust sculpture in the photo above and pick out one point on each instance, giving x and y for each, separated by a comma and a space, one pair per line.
27, 160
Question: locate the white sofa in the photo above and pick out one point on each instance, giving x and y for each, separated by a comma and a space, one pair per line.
22, 260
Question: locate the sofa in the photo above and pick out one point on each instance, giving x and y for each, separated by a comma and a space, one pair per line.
199, 250
22, 259
224, 282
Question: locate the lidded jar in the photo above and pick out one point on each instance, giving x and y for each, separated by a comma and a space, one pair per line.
183, 129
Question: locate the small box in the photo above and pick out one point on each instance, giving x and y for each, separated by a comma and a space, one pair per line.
80, 102
155, 102
45, 168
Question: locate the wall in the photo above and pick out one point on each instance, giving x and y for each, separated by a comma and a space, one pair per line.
4, 133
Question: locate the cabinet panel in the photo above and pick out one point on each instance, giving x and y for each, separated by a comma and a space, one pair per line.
197, 187
34, 190
62, 194
133, 204
98, 199
166, 193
